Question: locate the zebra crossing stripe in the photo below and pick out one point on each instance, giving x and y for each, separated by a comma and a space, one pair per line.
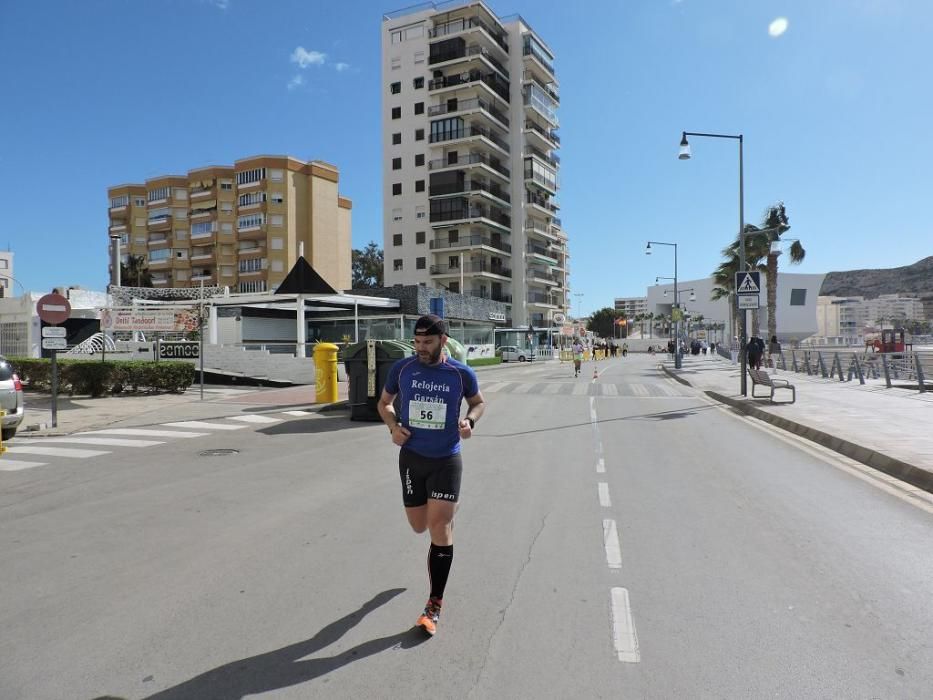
640, 390
669, 390
552, 388
298, 413
55, 451
609, 389
493, 386
14, 465
81, 440
144, 432
203, 425
253, 418
524, 388
581, 389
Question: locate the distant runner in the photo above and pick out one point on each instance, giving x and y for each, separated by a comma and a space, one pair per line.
577, 357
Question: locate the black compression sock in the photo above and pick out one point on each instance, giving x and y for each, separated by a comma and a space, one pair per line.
439, 560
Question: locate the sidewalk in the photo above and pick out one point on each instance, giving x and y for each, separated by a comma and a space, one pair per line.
77, 414
888, 429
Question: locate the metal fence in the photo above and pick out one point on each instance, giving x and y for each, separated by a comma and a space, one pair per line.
909, 369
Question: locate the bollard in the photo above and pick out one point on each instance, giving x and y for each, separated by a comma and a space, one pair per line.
325, 372
2, 448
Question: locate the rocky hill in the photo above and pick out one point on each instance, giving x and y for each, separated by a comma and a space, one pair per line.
914, 279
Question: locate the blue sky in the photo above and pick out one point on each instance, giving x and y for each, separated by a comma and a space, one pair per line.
835, 113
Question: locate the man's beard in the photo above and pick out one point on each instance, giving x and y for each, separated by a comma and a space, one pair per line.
434, 358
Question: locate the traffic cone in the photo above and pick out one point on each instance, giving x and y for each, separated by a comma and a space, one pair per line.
595, 373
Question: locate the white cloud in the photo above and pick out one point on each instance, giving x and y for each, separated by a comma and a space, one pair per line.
778, 26
341, 67
295, 82
305, 58
220, 4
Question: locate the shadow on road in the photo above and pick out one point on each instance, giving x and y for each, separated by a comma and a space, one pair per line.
283, 668
657, 416
310, 426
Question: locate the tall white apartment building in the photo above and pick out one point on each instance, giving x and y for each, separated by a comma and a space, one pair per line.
632, 306
470, 173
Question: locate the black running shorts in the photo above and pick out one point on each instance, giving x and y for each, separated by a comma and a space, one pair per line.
429, 477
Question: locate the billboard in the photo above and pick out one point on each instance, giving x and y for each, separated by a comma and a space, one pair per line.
128, 319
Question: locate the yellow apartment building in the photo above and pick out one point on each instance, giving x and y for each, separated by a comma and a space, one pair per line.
236, 226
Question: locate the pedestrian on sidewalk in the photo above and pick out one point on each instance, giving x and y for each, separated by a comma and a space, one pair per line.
734, 349
624, 349
756, 347
429, 430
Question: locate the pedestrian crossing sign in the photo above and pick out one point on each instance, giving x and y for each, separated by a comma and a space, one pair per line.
748, 282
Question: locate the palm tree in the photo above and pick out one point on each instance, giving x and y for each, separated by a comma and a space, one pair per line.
135, 272
775, 218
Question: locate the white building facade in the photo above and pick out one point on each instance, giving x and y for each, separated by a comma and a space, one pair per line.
470, 174
631, 306
796, 304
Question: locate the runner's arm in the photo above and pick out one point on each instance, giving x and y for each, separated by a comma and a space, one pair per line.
477, 405
399, 432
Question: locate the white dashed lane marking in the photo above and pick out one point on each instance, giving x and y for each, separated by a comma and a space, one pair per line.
256, 419
144, 432
611, 542
55, 451
604, 499
13, 465
624, 637
87, 440
298, 413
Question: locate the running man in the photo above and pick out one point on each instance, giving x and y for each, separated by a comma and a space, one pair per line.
577, 357
429, 430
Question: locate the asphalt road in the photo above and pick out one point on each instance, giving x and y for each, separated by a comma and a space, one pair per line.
618, 538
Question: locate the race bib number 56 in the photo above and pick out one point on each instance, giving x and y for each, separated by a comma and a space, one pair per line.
427, 415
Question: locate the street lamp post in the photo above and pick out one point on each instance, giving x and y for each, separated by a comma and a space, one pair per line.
677, 296
685, 155
678, 362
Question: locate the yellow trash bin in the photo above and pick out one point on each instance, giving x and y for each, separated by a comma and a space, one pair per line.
325, 372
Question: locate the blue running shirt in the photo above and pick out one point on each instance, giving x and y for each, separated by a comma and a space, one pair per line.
430, 402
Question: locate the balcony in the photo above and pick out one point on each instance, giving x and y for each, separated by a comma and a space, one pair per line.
532, 51
156, 241
470, 186
253, 233
470, 159
548, 136
538, 100
551, 160
535, 227
541, 277
159, 264
470, 53
465, 24
197, 193
491, 80
472, 104
202, 253
249, 252
542, 253
203, 277
544, 203
471, 268
160, 222
471, 241
505, 298
550, 88
540, 299
465, 213
469, 132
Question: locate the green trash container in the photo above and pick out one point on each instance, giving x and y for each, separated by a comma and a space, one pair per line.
368, 378
456, 350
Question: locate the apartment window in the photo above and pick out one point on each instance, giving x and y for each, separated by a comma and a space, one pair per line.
419, 236
396, 215
181, 214
276, 175
396, 112
454, 287
276, 220
453, 235
419, 107
396, 62
181, 195
419, 263
226, 228
226, 185
396, 188
252, 287
396, 164
202, 228
798, 297
453, 261
397, 264
419, 57
395, 88
418, 83
397, 239
226, 271
419, 212
140, 222
120, 201
419, 185
250, 221
419, 134
396, 139
158, 193
276, 244
159, 255
249, 176
181, 234
277, 197
252, 265
244, 200
226, 207
278, 266
419, 159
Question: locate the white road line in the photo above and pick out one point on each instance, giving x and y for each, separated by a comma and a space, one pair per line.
624, 637
580, 389
604, 499
552, 388
611, 543
254, 418
55, 451
298, 413
609, 389
592, 411
203, 425
144, 432
600, 466
14, 465
524, 388
493, 386
82, 440
670, 390
639, 389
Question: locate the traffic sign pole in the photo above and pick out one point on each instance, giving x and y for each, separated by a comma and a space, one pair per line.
54, 388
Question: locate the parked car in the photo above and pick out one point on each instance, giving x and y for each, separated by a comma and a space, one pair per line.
11, 399
511, 353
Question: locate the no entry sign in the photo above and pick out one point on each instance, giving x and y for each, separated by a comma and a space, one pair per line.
53, 309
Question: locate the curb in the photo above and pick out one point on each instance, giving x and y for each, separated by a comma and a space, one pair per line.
908, 473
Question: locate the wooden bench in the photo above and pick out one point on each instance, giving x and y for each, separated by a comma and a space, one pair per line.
761, 377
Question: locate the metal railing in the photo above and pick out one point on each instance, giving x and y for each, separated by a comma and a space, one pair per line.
470, 186
471, 267
470, 159
472, 103
546, 133
469, 52
460, 25
471, 240
912, 369
467, 132
498, 85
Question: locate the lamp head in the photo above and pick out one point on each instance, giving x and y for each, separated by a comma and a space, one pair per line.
693, 296
648, 249
684, 148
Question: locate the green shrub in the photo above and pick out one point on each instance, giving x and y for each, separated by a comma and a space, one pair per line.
98, 378
483, 361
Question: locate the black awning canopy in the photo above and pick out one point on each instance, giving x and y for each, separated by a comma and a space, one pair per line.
302, 279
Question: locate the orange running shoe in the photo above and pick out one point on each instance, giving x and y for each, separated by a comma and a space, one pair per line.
428, 619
